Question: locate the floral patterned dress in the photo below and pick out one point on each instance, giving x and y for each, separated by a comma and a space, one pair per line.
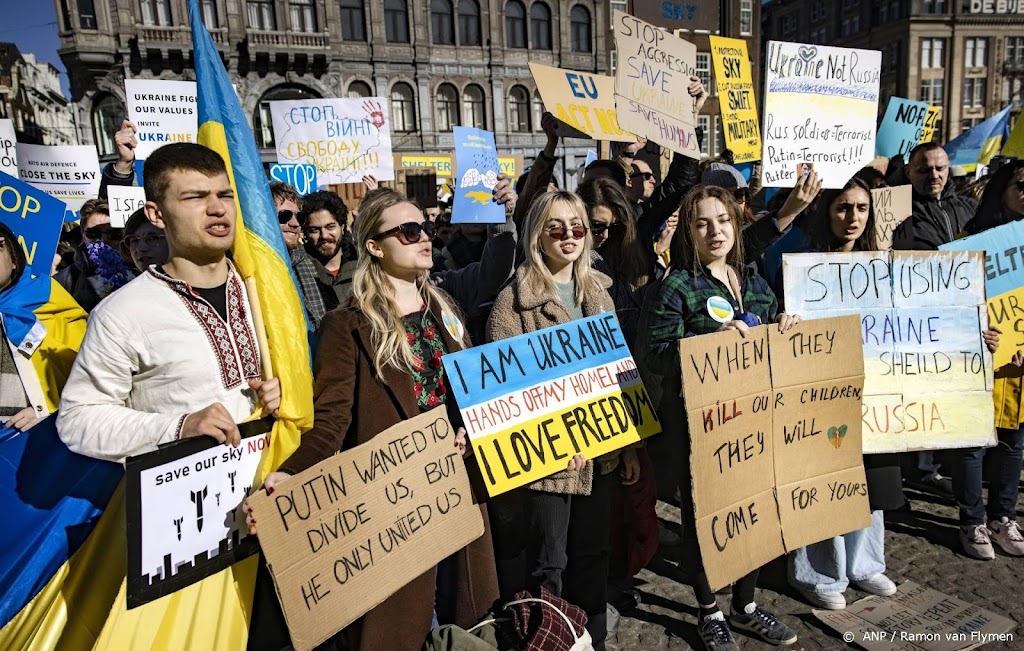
427, 349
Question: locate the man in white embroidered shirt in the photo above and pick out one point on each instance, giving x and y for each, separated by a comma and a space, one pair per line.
173, 353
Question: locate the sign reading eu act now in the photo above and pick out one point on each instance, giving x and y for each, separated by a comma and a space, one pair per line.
532, 402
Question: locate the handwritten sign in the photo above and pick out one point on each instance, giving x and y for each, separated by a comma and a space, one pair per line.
36, 220
163, 111
301, 177
581, 100
928, 374
1004, 283
736, 90
532, 402
68, 173
122, 201
345, 138
651, 84
892, 206
901, 128
774, 423
184, 511
8, 149
477, 160
348, 533
690, 14
820, 106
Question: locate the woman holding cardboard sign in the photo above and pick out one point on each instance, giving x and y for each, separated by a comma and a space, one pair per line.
709, 289
379, 363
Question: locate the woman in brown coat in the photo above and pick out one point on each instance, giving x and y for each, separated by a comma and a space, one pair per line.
379, 363
554, 532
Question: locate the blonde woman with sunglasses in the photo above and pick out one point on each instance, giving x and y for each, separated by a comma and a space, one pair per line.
554, 532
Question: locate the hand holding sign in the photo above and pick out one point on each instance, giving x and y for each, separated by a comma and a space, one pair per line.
213, 421
126, 143
698, 93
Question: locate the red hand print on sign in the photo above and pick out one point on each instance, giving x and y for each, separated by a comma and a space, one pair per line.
376, 113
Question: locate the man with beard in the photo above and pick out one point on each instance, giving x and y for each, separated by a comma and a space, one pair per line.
324, 217
316, 300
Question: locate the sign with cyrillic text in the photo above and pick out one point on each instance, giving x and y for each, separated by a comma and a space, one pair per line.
163, 111
891, 205
532, 402
736, 92
35, 218
581, 100
68, 173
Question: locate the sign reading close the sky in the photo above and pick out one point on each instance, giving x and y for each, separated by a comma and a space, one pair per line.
820, 107
68, 173
736, 95
163, 111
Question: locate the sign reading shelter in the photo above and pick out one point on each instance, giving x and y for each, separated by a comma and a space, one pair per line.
1004, 283
902, 128
736, 92
349, 532
775, 433
477, 160
345, 138
123, 200
820, 106
68, 173
163, 111
928, 373
651, 83
532, 402
892, 205
35, 218
581, 100
8, 148
689, 14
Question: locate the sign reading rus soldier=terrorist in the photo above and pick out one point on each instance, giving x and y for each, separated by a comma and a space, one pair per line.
532, 402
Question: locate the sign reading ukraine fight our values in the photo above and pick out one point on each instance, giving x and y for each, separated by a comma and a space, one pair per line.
736, 93
1003, 248
68, 173
35, 218
532, 402
476, 159
184, 511
8, 148
775, 433
583, 101
346, 534
820, 107
928, 373
651, 83
345, 138
163, 111
902, 127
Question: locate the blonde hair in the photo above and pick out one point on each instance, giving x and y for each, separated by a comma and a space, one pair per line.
536, 275
375, 295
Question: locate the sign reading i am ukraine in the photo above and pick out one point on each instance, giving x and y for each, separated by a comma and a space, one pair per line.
532, 402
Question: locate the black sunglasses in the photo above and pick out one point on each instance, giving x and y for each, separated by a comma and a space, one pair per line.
647, 175
409, 232
285, 216
598, 228
102, 232
742, 195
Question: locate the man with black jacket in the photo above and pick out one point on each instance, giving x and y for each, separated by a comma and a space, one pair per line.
939, 214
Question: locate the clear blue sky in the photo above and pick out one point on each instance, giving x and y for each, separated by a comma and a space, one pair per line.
32, 26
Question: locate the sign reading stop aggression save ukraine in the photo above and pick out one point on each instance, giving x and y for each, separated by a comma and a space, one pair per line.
532, 402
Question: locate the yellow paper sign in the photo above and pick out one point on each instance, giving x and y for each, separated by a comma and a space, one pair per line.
736, 90
581, 100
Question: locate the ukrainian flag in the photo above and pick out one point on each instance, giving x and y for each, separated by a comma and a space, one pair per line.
979, 144
1015, 143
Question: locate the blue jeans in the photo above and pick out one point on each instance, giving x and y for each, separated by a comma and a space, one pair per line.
1000, 466
830, 565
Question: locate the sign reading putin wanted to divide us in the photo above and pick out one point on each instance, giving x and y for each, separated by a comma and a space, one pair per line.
928, 383
582, 101
532, 402
345, 138
775, 438
163, 111
820, 107
346, 534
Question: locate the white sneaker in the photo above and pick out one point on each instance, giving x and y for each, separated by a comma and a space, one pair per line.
826, 600
878, 584
976, 543
1006, 533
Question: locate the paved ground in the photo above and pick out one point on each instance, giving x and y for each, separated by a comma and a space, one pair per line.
920, 545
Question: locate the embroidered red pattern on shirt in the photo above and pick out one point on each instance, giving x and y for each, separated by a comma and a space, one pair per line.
244, 338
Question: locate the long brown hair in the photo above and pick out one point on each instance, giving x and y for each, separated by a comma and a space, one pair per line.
819, 226
622, 250
683, 249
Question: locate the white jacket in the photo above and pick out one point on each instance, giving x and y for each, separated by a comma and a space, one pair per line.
154, 352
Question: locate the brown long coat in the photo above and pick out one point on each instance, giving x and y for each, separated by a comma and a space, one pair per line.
351, 406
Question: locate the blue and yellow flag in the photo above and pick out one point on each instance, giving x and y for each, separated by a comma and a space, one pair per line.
979, 144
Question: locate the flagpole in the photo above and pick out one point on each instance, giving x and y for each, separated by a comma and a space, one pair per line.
261, 330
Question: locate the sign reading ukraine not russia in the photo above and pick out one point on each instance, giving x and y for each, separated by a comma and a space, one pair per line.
532, 402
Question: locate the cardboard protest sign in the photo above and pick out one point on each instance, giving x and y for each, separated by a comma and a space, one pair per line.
302, 177
917, 618
692, 14
477, 160
736, 89
163, 112
532, 402
901, 127
68, 173
123, 200
928, 374
348, 533
775, 436
8, 149
184, 511
35, 218
892, 206
345, 138
651, 84
820, 106
1004, 283
581, 100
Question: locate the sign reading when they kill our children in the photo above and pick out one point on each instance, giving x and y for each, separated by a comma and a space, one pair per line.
532, 402
928, 374
346, 534
775, 433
